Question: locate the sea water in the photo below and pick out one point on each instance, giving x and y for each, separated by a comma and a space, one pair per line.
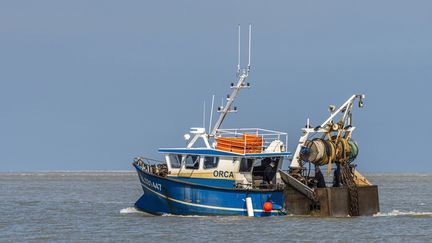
98, 206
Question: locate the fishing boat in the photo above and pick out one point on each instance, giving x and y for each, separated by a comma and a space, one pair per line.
239, 171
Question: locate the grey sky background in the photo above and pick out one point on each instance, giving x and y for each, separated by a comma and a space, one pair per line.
88, 85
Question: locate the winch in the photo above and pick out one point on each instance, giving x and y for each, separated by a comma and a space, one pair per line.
324, 151
325, 145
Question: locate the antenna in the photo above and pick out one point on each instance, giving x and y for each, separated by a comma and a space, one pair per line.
204, 114
238, 56
249, 59
211, 113
242, 75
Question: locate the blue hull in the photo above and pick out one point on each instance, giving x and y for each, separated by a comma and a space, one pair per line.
169, 196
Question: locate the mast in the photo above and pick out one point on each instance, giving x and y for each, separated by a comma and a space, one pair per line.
242, 75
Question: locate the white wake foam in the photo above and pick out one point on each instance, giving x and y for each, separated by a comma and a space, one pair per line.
130, 210
403, 213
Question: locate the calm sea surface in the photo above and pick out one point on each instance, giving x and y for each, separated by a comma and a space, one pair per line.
98, 206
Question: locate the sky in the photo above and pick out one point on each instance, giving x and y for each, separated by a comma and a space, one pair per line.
89, 85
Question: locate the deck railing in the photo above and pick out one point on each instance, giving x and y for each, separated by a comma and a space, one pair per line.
266, 135
152, 166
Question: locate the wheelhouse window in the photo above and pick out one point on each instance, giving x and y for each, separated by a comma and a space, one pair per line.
211, 162
246, 165
192, 162
175, 160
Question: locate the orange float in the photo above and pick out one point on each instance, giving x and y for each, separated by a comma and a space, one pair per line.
268, 206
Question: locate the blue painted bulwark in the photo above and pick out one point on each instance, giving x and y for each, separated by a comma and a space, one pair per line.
164, 195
